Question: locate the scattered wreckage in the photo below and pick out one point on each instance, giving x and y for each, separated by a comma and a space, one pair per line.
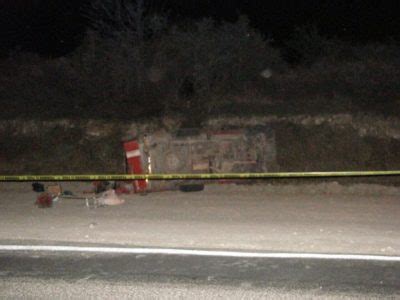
100, 196
189, 151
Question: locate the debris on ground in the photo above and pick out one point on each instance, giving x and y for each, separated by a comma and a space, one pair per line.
48, 196
44, 200
67, 193
124, 188
102, 186
38, 187
109, 197
54, 189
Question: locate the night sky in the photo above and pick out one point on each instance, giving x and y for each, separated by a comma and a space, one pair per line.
55, 27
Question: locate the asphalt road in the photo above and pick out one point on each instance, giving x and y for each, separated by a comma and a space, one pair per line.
334, 277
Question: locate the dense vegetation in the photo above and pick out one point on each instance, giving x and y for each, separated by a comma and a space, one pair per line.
140, 66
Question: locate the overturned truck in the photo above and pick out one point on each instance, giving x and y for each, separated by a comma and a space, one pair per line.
196, 151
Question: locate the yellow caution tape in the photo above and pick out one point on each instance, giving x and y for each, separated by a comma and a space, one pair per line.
122, 177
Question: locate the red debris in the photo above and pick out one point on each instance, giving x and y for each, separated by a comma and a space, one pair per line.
44, 200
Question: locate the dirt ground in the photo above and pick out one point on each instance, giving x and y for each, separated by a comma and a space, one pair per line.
325, 217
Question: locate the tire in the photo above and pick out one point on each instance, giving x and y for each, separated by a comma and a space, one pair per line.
191, 188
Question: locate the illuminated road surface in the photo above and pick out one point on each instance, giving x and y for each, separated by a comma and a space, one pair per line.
181, 275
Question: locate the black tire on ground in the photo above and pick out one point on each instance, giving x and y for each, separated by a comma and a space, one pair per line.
191, 187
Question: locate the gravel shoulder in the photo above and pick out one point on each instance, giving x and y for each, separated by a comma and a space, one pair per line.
31, 288
324, 218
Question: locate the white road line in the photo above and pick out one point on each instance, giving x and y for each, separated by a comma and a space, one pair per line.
189, 252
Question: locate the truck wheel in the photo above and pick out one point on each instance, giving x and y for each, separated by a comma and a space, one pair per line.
191, 187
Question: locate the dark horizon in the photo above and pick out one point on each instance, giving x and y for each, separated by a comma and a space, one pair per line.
55, 27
